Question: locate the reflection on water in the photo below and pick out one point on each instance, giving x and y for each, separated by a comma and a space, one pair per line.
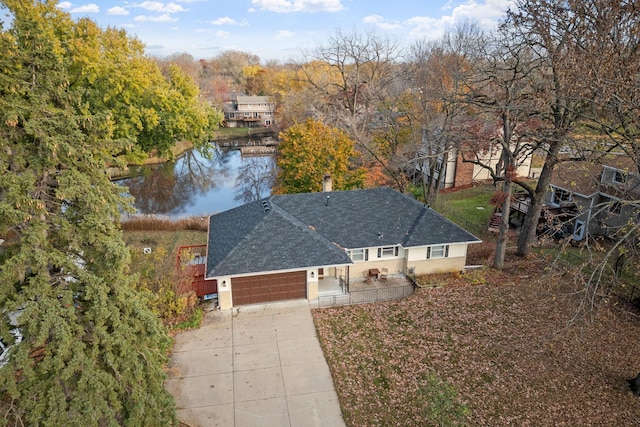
201, 184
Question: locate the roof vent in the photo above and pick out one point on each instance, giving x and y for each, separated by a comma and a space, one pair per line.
266, 206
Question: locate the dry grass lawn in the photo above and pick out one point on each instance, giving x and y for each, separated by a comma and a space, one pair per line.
489, 348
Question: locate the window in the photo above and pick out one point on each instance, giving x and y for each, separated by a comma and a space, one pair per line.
387, 251
267, 122
437, 251
247, 114
359, 255
619, 177
615, 207
231, 115
559, 195
267, 113
578, 230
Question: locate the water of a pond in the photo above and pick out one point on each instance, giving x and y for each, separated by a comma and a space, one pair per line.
197, 184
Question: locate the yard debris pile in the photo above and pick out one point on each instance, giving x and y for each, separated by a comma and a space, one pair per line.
488, 348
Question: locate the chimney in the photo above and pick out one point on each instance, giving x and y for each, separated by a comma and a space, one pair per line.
327, 183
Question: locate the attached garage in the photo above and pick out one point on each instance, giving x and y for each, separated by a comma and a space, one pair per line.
269, 287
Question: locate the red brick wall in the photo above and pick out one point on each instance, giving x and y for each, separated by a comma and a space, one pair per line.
464, 173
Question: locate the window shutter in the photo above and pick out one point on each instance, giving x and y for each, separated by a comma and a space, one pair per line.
379, 252
446, 251
366, 254
428, 252
396, 252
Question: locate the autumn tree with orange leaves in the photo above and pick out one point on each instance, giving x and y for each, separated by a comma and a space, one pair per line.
309, 151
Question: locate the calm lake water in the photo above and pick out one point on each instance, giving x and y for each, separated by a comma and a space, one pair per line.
197, 184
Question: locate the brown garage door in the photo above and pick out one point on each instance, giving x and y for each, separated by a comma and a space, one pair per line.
269, 287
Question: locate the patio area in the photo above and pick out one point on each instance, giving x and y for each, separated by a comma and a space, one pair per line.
361, 291
331, 285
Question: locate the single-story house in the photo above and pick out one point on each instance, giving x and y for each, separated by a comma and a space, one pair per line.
279, 247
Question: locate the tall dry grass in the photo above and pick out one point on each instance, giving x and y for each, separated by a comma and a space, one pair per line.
480, 253
154, 223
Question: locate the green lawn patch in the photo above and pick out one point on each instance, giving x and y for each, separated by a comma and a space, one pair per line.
469, 208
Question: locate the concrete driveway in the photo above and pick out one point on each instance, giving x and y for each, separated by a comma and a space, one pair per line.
258, 365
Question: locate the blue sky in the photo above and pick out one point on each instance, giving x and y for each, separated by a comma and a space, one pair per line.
277, 29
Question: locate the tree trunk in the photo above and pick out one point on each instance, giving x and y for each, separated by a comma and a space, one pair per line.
530, 224
502, 239
442, 176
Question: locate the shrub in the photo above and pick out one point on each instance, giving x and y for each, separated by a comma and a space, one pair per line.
167, 297
155, 223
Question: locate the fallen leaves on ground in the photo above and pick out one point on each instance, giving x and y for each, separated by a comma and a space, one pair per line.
501, 347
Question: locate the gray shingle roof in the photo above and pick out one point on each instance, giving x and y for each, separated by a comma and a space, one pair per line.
311, 229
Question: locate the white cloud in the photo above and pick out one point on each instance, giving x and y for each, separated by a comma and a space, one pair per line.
381, 23
486, 13
117, 10
86, 8
427, 27
156, 6
228, 21
283, 34
158, 18
64, 5
373, 19
220, 34
284, 6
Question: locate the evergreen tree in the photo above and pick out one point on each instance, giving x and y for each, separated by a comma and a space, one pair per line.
92, 352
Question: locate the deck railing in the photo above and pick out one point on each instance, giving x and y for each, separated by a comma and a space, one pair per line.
364, 296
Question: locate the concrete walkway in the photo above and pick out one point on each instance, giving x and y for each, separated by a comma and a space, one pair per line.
258, 365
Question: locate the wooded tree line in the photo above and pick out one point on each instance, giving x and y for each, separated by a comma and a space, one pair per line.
75, 98
555, 76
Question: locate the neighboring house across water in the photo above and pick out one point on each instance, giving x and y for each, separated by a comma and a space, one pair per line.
249, 111
585, 198
279, 247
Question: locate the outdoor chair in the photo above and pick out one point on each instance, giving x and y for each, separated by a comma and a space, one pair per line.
366, 276
383, 273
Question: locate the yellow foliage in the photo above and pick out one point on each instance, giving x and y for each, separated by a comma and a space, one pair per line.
309, 151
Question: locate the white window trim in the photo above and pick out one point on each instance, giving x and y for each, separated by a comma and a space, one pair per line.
359, 253
557, 201
444, 249
395, 250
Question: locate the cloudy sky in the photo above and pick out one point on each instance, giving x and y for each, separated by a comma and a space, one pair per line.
277, 29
